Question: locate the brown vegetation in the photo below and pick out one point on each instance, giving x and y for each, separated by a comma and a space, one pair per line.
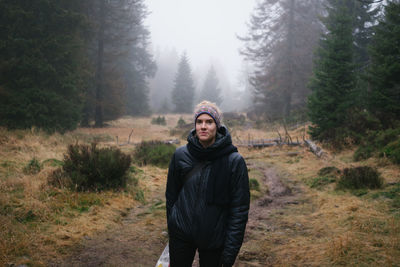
313, 226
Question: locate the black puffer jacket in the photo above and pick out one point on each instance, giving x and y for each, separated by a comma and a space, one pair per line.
190, 217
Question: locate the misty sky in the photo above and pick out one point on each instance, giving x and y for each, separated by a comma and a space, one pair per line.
205, 29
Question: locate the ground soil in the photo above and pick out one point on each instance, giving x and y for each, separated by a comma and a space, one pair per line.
141, 237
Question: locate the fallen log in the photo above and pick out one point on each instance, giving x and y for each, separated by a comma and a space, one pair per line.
261, 145
172, 141
291, 154
314, 148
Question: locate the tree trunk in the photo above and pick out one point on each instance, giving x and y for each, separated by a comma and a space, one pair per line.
99, 68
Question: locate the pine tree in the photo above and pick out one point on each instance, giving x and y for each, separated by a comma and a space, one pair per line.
138, 65
163, 82
41, 64
280, 47
184, 90
365, 14
334, 78
211, 90
384, 100
120, 59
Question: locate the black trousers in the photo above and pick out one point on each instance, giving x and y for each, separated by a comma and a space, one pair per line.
181, 254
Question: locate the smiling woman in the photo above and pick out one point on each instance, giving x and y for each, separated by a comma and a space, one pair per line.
207, 120
207, 194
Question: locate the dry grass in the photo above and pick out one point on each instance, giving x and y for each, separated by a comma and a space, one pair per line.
39, 223
332, 227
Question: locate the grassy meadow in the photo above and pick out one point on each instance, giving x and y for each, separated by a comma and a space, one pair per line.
40, 223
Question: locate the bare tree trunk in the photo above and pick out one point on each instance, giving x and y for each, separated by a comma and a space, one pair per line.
99, 68
290, 87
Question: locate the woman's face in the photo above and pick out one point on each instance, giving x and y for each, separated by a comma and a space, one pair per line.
206, 129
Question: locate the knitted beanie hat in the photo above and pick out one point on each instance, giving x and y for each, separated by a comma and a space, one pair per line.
209, 108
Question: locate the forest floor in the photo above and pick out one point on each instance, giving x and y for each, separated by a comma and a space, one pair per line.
141, 237
297, 217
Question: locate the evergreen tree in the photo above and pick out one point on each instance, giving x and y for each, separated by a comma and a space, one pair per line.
41, 64
384, 100
334, 77
138, 65
120, 59
280, 47
211, 90
365, 14
183, 91
163, 82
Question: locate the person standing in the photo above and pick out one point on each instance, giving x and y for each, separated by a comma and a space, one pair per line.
207, 194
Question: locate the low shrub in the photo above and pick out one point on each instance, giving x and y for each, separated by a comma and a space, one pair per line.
363, 152
320, 182
359, 178
380, 143
58, 178
91, 168
154, 153
254, 184
232, 119
392, 151
33, 167
329, 171
160, 120
181, 123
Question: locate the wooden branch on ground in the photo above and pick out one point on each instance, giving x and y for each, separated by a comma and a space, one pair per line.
291, 154
127, 143
287, 135
259, 144
129, 138
314, 148
172, 141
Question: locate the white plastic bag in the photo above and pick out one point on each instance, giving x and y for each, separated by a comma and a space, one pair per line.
163, 261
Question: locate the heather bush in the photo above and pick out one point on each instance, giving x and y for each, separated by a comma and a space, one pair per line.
159, 120
92, 168
181, 123
154, 153
359, 178
380, 143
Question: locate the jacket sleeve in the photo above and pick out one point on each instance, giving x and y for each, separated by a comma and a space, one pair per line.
173, 185
238, 213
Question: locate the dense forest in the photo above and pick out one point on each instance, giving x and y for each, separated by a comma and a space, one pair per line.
65, 63
334, 63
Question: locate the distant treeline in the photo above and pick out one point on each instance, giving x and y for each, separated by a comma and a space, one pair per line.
333, 62
67, 62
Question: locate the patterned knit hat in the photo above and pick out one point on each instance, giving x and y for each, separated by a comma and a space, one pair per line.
208, 109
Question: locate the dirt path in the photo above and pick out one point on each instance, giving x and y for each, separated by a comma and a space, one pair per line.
142, 235
264, 216
138, 241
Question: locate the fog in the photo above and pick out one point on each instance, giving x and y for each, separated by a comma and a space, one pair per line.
206, 30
